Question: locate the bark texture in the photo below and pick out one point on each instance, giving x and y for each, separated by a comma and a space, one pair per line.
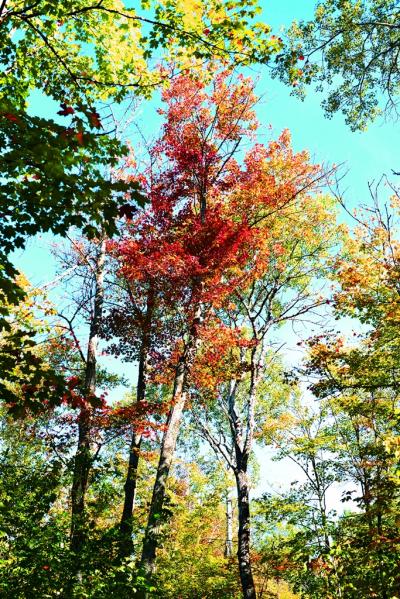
245, 571
156, 514
82, 461
242, 438
79, 484
155, 520
229, 527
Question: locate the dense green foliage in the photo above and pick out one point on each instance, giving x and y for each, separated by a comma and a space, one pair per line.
351, 48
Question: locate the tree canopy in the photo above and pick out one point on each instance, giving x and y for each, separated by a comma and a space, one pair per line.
350, 49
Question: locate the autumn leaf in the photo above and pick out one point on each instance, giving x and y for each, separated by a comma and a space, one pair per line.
65, 110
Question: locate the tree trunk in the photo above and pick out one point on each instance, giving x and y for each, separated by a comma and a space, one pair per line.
229, 526
155, 519
242, 446
83, 455
153, 531
79, 484
245, 571
126, 525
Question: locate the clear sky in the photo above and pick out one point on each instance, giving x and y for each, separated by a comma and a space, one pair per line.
367, 155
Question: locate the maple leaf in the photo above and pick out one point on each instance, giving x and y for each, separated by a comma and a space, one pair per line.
127, 210
94, 119
65, 110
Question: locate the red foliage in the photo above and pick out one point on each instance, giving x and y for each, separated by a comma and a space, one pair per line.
199, 137
13, 118
94, 119
79, 137
65, 110
203, 235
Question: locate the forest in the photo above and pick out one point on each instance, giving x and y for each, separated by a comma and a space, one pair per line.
198, 371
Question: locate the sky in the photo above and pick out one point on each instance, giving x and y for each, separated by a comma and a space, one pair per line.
366, 156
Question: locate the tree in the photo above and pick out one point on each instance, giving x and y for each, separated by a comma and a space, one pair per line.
299, 548
353, 551
352, 48
276, 177
357, 379
56, 353
370, 537
280, 291
56, 170
135, 322
366, 275
193, 553
91, 262
180, 247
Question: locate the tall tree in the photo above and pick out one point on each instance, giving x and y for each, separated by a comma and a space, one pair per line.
281, 291
358, 376
135, 322
179, 248
304, 435
83, 452
74, 350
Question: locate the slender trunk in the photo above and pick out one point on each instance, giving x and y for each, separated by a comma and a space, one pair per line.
155, 519
242, 444
79, 483
82, 461
321, 505
126, 525
245, 571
